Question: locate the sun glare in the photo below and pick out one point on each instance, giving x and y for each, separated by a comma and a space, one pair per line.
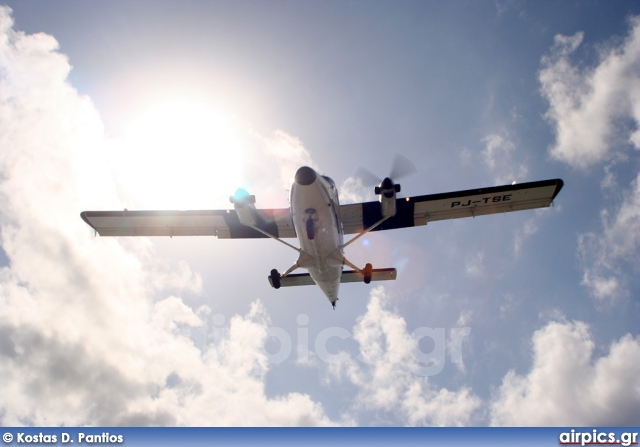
179, 155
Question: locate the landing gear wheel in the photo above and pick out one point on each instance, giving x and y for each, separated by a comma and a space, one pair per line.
368, 273
275, 279
311, 231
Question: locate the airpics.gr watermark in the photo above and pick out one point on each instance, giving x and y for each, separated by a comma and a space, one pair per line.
427, 347
595, 437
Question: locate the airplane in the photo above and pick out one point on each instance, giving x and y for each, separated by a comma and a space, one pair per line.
320, 222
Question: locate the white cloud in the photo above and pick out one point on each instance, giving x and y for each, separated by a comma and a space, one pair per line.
596, 115
89, 334
504, 6
497, 146
503, 159
466, 156
270, 164
475, 264
464, 318
606, 258
290, 154
391, 371
609, 181
353, 191
585, 104
567, 386
508, 303
528, 229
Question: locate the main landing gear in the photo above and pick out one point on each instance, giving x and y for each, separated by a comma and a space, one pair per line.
367, 273
275, 279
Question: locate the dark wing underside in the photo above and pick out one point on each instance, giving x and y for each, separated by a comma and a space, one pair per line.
420, 210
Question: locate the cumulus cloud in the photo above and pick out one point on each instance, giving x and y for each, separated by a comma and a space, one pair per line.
504, 6
271, 166
391, 371
606, 257
501, 156
589, 106
568, 386
528, 229
474, 264
354, 191
595, 111
94, 331
89, 333
290, 154
497, 146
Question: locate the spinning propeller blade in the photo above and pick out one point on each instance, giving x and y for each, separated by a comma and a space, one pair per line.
402, 167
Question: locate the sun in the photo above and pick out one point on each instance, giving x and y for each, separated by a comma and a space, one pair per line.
180, 155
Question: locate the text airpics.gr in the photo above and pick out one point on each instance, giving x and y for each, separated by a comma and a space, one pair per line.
427, 346
596, 437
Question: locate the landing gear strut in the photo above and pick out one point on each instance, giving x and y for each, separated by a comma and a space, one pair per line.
366, 272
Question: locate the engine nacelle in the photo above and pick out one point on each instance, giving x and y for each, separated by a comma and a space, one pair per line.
244, 204
387, 191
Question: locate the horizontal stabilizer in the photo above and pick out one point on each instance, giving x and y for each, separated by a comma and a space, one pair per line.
378, 275
304, 279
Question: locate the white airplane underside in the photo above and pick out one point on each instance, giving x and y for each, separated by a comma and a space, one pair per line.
319, 222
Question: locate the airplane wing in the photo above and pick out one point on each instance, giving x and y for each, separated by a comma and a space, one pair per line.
420, 210
221, 223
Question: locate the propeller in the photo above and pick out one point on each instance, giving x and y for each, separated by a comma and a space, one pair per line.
368, 178
402, 167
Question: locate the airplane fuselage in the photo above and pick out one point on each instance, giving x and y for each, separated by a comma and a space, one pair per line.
316, 219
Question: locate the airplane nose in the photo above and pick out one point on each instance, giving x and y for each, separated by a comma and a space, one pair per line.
305, 176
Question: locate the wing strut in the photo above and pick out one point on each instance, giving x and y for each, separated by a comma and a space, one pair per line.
362, 234
299, 250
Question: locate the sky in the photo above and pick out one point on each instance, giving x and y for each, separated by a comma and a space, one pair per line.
527, 318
